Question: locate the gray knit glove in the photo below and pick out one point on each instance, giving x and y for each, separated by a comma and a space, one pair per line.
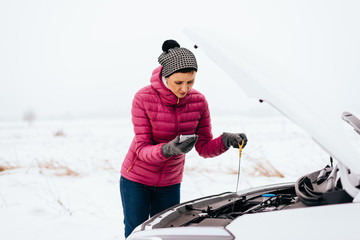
174, 147
234, 139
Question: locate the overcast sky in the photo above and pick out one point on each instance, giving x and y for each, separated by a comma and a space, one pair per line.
87, 58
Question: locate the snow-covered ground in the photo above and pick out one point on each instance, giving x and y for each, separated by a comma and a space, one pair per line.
59, 179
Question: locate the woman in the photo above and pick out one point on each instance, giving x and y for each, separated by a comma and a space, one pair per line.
153, 167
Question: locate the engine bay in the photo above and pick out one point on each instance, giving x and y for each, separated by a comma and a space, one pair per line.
219, 210
215, 215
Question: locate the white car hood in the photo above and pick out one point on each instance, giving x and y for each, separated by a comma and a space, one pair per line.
301, 223
302, 58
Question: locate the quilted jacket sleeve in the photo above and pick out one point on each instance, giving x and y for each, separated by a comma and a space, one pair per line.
206, 146
146, 149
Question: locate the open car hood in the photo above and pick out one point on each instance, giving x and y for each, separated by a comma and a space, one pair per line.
302, 58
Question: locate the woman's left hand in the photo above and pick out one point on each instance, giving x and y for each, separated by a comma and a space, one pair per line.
234, 139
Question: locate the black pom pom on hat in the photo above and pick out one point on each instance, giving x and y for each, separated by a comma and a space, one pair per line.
168, 44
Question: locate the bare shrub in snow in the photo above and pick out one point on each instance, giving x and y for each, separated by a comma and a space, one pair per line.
66, 209
7, 166
2, 201
29, 117
196, 169
60, 170
55, 198
108, 166
232, 171
266, 169
59, 133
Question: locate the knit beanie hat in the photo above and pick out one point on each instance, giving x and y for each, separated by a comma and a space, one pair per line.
175, 58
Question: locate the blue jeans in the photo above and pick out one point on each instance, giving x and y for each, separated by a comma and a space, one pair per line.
140, 201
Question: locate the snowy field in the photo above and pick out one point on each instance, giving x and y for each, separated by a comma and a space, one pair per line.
60, 179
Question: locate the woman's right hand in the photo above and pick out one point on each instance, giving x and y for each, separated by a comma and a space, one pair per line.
175, 147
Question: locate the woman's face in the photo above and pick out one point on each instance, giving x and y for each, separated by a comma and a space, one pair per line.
181, 83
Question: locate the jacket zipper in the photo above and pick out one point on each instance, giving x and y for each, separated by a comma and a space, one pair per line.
177, 133
131, 164
176, 119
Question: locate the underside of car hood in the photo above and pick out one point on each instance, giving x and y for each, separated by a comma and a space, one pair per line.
304, 62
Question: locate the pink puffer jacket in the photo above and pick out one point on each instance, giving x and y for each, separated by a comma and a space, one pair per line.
158, 118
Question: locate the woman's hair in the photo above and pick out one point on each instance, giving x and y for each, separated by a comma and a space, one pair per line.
183, 70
